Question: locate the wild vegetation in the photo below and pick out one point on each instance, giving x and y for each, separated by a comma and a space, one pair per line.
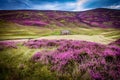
32, 47
59, 59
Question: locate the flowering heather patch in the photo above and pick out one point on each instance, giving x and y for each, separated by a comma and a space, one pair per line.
32, 23
41, 43
77, 58
8, 44
95, 17
117, 42
71, 59
100, 17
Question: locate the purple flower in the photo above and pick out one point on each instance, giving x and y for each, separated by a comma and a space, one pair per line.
36, 56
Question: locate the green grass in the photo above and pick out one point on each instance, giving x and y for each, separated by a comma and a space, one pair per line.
15, 31
11, 59
114, 34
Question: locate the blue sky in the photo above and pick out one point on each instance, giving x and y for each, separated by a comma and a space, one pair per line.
65, 5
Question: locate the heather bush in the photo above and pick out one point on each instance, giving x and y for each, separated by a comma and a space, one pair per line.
78, 58
8, 44
117, 42
69, 60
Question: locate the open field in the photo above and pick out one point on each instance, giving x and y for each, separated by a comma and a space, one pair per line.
93, 38
15, 31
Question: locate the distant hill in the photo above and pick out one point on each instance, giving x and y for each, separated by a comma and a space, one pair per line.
101, 17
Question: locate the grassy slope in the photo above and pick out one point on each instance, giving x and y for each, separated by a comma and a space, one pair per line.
15, 31
57, 20
11, 59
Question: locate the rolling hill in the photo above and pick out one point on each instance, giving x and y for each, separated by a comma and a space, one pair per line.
101, 17
24, 24
33, 48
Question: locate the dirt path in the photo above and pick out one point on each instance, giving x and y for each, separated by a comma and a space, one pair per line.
93, 38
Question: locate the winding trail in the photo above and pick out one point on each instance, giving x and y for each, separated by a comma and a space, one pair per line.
94, 38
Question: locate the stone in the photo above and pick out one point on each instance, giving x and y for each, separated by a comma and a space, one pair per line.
65, 32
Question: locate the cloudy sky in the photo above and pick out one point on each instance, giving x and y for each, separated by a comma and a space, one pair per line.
65, 5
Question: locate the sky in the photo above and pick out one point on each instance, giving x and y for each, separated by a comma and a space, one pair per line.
64, 5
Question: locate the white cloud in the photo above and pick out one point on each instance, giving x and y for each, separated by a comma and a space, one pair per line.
67, 6
80, 5
114, 7
47, 6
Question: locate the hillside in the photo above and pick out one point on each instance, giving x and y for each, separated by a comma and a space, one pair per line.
33, 45
105, 18
26, 24
101, 17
